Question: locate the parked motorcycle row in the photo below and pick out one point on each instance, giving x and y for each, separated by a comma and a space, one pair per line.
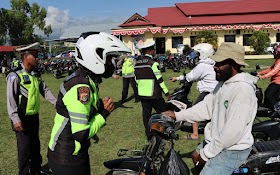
175, 62
57, 67
157, 158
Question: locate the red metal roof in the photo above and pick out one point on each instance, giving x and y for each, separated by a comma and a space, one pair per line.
217, 20
228, 7
213, 13
163, 15
136, 23
7, 48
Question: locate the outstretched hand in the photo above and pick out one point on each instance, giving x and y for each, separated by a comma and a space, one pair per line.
170, 114
108, 104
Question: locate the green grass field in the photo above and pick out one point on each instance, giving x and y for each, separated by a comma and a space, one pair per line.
124, 128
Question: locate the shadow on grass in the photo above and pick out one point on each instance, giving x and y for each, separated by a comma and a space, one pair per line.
120, 103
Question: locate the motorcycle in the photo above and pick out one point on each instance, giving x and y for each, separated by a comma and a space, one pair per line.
268, 129
264, 159
161, 61
185, 61
153, 160
176, 64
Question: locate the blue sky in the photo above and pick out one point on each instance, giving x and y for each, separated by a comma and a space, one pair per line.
65, 13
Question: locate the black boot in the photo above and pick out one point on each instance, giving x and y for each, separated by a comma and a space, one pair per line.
45, 170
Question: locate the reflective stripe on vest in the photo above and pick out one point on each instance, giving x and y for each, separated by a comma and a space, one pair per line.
29, 99
61, 122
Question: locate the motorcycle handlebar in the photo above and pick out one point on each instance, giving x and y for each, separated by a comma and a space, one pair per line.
254, 73
172, 133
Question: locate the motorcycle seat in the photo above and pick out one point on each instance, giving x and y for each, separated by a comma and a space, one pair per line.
266, 146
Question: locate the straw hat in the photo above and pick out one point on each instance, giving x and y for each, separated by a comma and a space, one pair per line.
229, 50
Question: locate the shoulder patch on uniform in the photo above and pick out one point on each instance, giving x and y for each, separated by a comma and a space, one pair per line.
83, 94
12, 77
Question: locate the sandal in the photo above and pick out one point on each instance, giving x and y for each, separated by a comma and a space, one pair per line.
189, 137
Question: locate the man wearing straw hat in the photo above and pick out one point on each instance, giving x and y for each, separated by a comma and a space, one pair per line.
231, 107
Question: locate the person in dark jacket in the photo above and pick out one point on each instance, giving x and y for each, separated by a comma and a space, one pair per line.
80, 113
150, 84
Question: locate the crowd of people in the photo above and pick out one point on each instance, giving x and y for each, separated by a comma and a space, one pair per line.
226, 97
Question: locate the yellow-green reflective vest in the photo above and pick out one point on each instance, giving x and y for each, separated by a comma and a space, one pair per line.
29, 98
128, 68
81, 119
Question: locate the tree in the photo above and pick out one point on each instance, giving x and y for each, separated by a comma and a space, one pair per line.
259, 41
22, 20
3, 26
207, 37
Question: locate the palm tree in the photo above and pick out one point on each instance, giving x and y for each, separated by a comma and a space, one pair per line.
207, 36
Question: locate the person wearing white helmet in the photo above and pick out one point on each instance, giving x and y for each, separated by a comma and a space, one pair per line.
205, 76
80, 113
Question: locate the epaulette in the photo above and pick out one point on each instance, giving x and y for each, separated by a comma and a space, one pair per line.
74, 74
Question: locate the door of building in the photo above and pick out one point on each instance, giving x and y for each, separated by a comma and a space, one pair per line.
160, 45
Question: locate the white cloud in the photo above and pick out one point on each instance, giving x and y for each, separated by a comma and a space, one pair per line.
58, 19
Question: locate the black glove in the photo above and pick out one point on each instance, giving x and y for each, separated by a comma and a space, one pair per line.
254, 73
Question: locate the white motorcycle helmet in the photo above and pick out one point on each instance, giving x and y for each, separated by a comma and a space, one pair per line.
205, 50
93, 47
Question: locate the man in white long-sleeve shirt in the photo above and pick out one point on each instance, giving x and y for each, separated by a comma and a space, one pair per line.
231, 107
205, 76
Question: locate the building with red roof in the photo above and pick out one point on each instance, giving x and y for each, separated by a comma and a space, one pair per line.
231, 21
